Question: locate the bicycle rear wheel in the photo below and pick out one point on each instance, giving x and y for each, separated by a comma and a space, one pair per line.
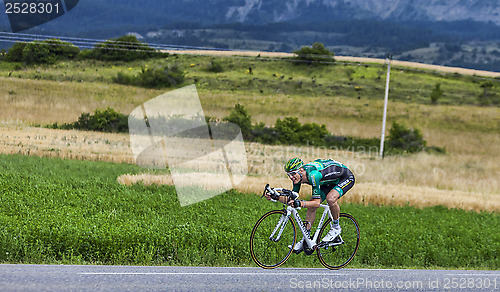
341, 251
272, 239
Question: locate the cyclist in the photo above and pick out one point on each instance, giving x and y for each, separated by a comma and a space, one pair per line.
330, 180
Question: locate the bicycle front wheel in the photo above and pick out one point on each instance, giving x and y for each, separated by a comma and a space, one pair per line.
272, 239
341, 251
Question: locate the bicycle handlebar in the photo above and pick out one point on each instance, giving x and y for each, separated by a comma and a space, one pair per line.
276, 192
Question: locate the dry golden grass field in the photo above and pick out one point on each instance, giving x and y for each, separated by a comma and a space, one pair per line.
467, 176
460, 179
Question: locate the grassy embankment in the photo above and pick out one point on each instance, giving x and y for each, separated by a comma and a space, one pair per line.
348, 102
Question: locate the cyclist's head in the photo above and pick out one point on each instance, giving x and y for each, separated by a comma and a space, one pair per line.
293, 165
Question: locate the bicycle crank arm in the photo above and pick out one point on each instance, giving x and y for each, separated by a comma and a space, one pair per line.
331, 243
308, 251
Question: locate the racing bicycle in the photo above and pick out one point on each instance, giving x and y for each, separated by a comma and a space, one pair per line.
275, 234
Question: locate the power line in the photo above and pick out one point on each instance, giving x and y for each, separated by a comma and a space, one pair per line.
12, 37
90, 43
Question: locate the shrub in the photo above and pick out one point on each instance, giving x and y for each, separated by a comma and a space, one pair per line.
291, 131
317, 53
349, 72
484, 98
402, 139
107, 120
42, 52
265, 135
38, 53
15, 53
313, 134
62, 50
436, 93
288, 130
167, 76
240, 117
125, 48
122, 78
215, 67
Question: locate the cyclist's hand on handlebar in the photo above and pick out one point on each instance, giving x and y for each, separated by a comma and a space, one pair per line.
295, 203
270, 196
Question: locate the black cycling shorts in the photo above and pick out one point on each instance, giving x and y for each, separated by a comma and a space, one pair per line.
343, 186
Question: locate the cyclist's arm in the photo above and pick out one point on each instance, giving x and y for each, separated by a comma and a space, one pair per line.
314, 178
313, 203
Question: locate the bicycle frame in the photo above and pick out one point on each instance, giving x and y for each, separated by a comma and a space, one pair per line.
290, 211
311, 242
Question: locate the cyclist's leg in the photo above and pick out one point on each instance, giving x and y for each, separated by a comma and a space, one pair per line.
310, 216
331, 198
334, 193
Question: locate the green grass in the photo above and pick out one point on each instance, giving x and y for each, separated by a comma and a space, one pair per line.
283, 76
75, 212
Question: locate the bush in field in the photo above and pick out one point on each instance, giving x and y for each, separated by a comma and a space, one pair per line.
42, 52
107, 120
316, 53
38, 53
402, 139
15, 53
240, 117
436, 93
61, 50
167, 76
125, 79
486, 97
288, 131
265, 135
291, 131
125, 48
215, 67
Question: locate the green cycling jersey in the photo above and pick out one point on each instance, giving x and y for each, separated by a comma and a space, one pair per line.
324, 175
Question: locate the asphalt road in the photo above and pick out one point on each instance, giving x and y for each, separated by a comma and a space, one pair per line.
132, 278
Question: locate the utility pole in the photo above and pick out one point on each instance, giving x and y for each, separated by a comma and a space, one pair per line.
386, 99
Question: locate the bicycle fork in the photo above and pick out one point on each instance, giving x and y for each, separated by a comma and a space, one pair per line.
280, 226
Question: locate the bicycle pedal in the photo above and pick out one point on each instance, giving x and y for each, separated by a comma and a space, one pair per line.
336, 242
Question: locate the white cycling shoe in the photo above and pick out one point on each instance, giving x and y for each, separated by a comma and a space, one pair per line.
298, 247
332, 234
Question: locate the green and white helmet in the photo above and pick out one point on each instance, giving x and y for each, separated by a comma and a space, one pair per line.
293, 164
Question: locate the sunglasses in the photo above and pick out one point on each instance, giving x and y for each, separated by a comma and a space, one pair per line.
292, 173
